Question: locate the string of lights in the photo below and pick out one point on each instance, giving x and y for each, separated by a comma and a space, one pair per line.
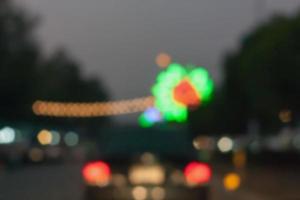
97, 109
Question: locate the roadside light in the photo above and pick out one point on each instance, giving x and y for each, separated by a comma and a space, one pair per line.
96, 173
197, 173
225, 144
71, 139
45, 137
7, 135
232, 181
139, 193
55, 137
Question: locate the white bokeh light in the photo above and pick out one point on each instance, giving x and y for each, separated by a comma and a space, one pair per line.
225, 144
7, 135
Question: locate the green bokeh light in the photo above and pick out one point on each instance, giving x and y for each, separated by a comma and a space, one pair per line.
144, 122
166, 82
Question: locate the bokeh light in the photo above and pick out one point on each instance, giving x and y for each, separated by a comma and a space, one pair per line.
36, 155
55, 137
139, 193
186, 94
44, 137
150, 117
197, 173
158, 193
98, 109
97, 173
178, 88
285, 116
151, 174
225, 144
163, 60
71, 139
232, 181
7, 135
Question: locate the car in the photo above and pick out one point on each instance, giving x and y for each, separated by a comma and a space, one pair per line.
144, 164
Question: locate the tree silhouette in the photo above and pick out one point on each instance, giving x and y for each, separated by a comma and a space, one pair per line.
27, 75
262, 78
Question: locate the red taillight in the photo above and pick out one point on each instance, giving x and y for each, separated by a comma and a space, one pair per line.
96, 173
197, 173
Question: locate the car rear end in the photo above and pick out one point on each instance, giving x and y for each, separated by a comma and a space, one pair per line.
146, 181
151, 164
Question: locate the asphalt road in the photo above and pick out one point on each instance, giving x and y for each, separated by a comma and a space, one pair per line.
63, 182
55, 182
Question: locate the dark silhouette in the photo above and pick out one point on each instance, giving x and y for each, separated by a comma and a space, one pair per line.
27, 75
262, 78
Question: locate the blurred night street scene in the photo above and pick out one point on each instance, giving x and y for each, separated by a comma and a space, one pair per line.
149, 100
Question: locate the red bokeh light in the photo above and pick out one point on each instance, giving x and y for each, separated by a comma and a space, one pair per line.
197, 173
96, 173
186, 94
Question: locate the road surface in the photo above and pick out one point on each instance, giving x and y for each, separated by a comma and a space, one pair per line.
63, 182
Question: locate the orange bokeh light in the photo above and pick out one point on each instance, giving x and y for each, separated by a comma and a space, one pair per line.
163, 60
97, 109
186, 94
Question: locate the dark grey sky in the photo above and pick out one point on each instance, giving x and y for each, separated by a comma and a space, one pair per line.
118, 40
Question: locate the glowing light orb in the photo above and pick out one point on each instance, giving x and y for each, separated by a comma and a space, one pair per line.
71, 139
150, 117
97, 173
45, 137
179, 88
225, 144
232, 181
163, 60
7, 135
139, 193
197, 173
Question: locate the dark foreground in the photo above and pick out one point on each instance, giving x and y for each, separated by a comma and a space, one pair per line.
63, 182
